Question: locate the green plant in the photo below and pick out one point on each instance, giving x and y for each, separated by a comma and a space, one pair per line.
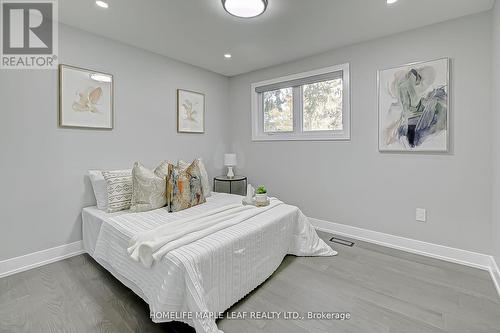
261, 190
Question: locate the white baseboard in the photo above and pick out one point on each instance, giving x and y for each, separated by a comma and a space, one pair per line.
458, 256
40, 258
495, 274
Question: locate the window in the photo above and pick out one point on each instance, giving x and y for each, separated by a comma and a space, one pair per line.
278, 110
306, 106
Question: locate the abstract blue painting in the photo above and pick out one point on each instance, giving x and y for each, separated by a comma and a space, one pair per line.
414, 106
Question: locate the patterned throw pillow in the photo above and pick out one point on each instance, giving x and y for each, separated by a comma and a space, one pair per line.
205, 182
100, 187
184, 187
119, 185
148, 188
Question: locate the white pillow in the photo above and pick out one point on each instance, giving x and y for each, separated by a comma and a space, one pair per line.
100, 190
205, 182
100, 187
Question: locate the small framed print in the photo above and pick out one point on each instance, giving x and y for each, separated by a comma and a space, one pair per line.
190, 112
85, 98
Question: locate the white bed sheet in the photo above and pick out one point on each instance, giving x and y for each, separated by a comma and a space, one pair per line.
208, 275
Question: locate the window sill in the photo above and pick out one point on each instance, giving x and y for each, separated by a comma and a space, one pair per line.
317, 137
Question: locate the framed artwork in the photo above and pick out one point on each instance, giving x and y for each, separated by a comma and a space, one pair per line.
85, 98
190, 112
413, 107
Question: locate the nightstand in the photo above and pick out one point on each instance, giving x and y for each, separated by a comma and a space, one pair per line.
235, 179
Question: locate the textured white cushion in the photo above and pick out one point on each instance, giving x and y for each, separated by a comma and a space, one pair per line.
205, 182
148, 188
119, 188
100, 188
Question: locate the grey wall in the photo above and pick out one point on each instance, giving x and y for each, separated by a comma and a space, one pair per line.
43, 166
496, 133
351, 182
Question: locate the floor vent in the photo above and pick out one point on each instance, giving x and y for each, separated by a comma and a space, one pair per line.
341, 241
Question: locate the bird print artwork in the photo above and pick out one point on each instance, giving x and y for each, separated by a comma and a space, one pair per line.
87, 101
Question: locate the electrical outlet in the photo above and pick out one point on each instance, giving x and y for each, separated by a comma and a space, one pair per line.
421, 215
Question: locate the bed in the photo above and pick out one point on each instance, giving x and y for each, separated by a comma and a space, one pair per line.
202, 279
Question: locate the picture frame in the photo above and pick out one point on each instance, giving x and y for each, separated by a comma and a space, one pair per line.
422, 123
86, 98
190, 111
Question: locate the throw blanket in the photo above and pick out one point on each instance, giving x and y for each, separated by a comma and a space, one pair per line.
153, 245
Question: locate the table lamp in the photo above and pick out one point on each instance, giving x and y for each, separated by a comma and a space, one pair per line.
230, 162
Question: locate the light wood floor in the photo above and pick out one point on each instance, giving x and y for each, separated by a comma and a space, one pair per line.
384, 291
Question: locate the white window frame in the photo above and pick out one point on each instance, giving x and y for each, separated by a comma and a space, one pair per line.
298, 134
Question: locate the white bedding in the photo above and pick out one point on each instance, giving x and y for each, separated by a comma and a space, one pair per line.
210, 274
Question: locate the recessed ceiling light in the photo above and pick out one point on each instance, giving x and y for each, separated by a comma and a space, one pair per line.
102, 4
390, 2
245, 8
227, 55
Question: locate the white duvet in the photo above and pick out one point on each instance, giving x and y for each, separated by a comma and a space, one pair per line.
223, 253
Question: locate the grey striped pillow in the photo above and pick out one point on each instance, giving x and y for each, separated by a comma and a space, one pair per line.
119, 186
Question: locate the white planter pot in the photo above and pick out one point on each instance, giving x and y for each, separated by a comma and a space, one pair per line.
261, 198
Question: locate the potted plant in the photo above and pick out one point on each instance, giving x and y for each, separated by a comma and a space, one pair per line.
261, 195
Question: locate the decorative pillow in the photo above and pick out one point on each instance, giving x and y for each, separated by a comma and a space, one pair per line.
148, 189
205, 182
119, 187
184, 188
162, 170
99, 186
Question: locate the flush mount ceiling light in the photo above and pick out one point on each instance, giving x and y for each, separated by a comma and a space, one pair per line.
390, 2
102, 4
245, 8
227, 55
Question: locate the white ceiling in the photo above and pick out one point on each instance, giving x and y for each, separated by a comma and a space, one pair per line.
199, 32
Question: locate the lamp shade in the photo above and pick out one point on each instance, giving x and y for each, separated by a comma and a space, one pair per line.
230, 159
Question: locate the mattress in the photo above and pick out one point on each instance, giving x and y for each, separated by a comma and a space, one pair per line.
209, 275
